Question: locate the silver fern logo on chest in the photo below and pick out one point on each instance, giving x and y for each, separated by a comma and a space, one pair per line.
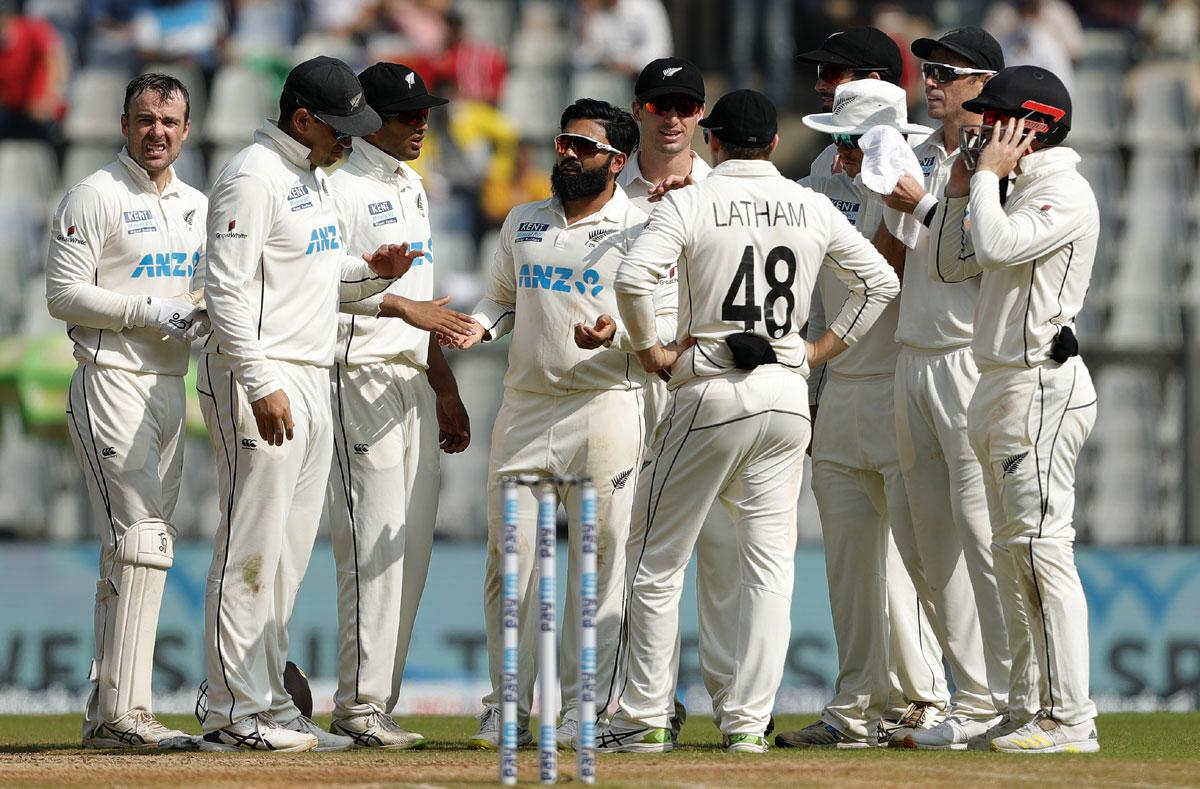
595, 237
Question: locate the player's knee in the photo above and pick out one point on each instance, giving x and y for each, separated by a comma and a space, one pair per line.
147, 543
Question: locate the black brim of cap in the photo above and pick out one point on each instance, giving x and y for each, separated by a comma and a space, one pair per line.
360, 124
825, 56
923, 47
669, 90
413, 103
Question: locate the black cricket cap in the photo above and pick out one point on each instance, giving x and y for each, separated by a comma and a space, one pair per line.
393, 88
975, 44
743, 117
327, 88
862, 48
1022, 90
667, 77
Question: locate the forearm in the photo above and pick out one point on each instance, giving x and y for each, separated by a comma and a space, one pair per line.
359, 282
84, 304
496, 318
824, 348
438, 373
637, 315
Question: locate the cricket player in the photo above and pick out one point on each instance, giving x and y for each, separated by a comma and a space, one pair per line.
668, 102
394, 400
124, 243
277, 269
950, 542
567, 408
749, 245
918, 697
856, 474
1035, 404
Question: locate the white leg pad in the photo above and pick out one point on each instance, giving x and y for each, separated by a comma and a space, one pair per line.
127, 605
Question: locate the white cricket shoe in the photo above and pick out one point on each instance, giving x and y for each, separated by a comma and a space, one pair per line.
983, 742
258, 732
138, 729
377, 730
1043, 734
567, 734
952, 734
487, 737
326, 741
919, 716
636, 739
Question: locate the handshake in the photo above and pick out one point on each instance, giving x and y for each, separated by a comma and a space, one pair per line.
451, 328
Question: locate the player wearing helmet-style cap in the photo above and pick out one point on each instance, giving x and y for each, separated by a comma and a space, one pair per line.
1035, 404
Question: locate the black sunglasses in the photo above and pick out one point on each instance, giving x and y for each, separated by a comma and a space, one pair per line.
341, 137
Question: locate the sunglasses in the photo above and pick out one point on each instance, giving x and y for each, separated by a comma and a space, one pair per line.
582, 145
832, 72
341, 137
683, 106
942, 73
847, 141
411, 117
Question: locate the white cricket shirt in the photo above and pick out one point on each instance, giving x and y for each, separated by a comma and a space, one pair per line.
114, 240
750, 243
934, 315
874, 355
1035, 253
380, 200
545, 278
277, 265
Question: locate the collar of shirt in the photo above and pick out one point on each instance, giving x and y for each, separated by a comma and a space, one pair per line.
745, 168
613, 210
142, 178
1041, 163
290, 149
633, 170
378, 163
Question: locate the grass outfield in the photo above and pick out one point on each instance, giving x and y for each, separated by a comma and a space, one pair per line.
1139, 749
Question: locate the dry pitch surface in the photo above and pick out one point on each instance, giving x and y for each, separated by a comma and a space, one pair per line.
1158, 749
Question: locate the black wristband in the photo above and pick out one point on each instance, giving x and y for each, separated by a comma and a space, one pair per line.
928, 220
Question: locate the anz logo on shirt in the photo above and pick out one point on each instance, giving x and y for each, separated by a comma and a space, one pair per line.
559, 279
422, 246
166, 264
323, 239
927, 163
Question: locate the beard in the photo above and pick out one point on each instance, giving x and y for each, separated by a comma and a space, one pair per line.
571, 185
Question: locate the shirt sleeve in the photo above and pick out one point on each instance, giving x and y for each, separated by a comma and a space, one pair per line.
1042, 223
657, 249
816, 327
865, 272
241, 211
77, 236
360, 283
953, 258
496, 310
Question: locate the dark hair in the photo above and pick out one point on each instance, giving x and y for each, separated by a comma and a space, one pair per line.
745, 151
619, 126
162, 85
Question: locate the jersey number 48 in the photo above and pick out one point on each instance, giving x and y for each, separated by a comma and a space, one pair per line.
749, 312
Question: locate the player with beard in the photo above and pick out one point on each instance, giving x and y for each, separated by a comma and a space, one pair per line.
566, 409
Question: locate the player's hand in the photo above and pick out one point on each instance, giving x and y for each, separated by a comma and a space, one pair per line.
663, 357
1006, 147
430, 316
273, 414
906, 195
660, 189
475, 334
454, 425
392, 261
589, 339
173, 317
959, 184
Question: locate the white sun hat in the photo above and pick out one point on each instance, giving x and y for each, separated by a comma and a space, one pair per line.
863, 104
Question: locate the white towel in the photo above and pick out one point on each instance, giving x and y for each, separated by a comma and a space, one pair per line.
886, 157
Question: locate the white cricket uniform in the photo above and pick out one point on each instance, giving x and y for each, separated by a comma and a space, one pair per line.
383, 488
276, 270
115, 240
749, 244
860, 493
565, 411
949, 544
1030, 415
716, 581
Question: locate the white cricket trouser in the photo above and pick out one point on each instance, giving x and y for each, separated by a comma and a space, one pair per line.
916, 670
596, 433
740, 438
859, 491
271, 501
127, 430
717, 579
382, 505
948, 549
1027, 426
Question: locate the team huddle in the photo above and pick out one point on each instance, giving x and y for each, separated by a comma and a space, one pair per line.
676, 330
